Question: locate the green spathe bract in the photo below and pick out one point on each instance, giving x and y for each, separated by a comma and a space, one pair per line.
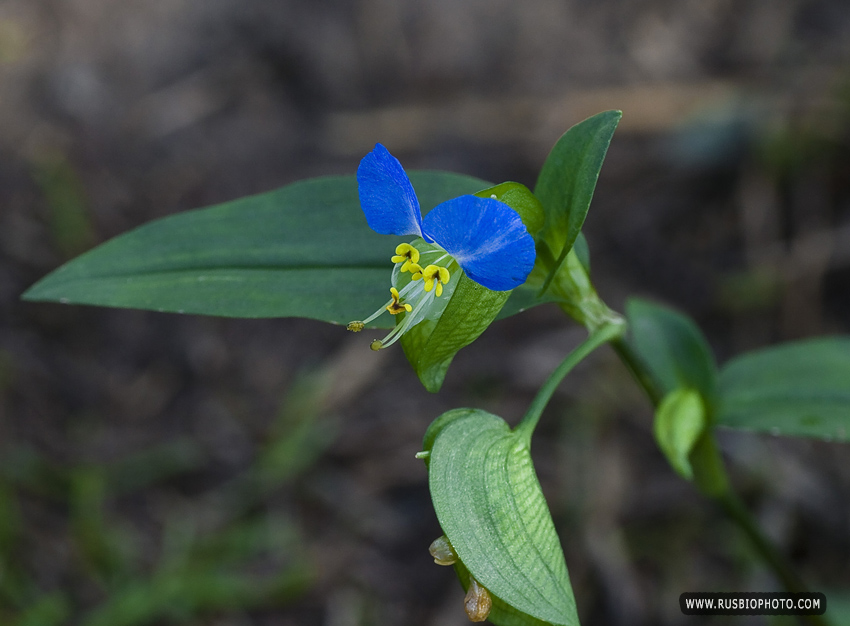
679, 422
490, 505
521, 200
431, 345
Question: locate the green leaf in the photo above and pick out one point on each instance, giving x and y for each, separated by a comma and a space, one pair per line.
673, 348
304, 250
490, 506
799, 389
568, 178
679, 421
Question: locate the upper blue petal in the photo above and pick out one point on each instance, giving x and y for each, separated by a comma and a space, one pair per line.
386, 195
486, 237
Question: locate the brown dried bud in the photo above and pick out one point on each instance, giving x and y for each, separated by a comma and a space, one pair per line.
442, 551
477, 602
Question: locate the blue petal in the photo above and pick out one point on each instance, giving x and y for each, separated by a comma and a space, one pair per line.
486, 237
386, 195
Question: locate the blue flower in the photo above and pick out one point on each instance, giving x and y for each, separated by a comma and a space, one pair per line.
482, 237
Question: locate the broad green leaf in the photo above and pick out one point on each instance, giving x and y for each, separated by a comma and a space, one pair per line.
673, 348
490, 506
679, 421
304, 250
799, 389
568, 178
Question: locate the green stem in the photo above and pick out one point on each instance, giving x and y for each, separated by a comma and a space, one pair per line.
735, 509
577, 298
712, 481
599, 336
634, 363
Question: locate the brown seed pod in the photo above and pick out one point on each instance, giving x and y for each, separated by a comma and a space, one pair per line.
477, 602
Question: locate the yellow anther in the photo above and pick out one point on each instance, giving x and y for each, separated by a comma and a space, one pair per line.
407, 254
376, 345
435, 274
395, 307
355, 327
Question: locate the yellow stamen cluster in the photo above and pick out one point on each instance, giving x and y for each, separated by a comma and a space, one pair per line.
434, 274
407, 254
395, 307
418, 297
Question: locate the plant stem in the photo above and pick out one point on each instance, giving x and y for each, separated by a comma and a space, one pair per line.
717, 485
638, 369
735, 509
599, 336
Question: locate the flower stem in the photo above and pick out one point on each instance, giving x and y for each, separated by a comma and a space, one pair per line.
603, 334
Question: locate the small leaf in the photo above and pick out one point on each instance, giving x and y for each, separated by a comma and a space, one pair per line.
304, 250
568, 179
673, 348
798, 389
679, 421
490, 506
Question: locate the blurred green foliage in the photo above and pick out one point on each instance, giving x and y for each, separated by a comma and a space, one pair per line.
232, 550
67, 204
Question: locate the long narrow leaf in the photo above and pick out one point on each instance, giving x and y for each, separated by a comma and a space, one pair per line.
304, 250
568, 178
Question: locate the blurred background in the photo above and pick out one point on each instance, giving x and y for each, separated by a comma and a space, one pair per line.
163, 469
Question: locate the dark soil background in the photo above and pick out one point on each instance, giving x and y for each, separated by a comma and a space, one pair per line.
164, 469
